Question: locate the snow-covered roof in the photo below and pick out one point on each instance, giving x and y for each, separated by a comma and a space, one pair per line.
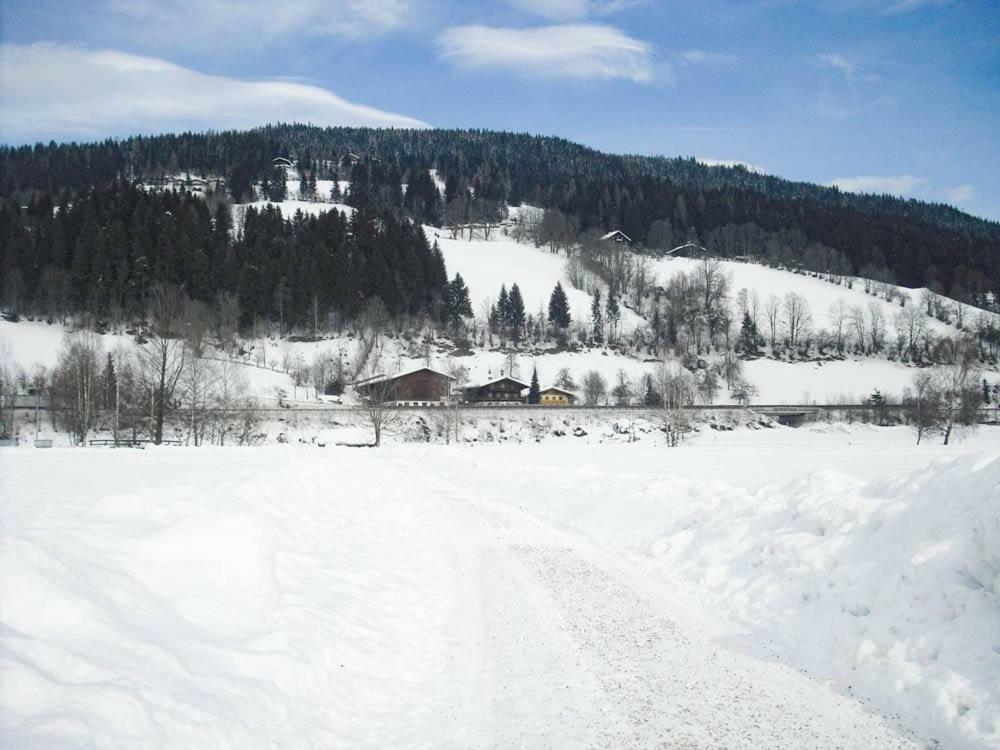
555, 389
385, 378
617, 233
498, 380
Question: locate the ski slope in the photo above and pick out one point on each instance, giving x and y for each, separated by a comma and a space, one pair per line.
485, 265
467, 598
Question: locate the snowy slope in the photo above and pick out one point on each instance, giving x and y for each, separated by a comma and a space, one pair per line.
486, 265
821, 295
393, 598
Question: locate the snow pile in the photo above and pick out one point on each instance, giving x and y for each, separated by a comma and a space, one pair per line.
245, 603
890, 589
887, 588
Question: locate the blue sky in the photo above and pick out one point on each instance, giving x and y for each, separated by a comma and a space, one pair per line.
898, 96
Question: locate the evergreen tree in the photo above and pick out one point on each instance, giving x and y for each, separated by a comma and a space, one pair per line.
503, 307
749, 340
614, 316
459, 305
559, 308
515, 303
597, 317
534, 391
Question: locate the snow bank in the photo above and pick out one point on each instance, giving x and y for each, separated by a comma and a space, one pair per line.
890, 589
245, 603
886, 586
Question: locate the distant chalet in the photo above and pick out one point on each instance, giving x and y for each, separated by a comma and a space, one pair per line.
617, 236
423, 387
498, 392
556, 397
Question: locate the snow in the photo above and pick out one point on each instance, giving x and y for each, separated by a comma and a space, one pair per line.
485, 265
821, 295
713, 595
831, 381
289, 207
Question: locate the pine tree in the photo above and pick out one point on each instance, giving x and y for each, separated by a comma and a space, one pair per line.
534, 392
748, 339
597, 317
515, 303
459, 305
559, 308
614, 316
503, 307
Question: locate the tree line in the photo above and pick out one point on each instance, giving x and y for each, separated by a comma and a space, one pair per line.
103, 252
657, 201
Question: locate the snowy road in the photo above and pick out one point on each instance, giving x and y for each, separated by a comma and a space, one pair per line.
350, 598
581, 651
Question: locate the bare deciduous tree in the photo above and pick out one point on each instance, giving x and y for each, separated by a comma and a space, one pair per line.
75, 383
595, 388
676, 389
911, 324
163, 356
772, 313
797, 316
838, 320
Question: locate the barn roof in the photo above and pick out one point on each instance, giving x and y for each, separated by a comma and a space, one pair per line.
555, 389
382, 378
616, 233
515, 381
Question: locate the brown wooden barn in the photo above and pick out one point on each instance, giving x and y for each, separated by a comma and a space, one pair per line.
501, 391
423, 387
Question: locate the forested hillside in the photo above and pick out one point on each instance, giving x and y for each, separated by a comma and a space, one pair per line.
101, 252
100, 217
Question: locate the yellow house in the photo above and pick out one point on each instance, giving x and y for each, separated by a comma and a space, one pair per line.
556, 397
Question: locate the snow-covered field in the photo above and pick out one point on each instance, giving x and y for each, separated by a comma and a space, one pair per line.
769, 589
821, 295
486, 265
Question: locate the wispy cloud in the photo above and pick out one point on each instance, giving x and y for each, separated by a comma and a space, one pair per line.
55, 91
563, 51
240, 23
701, 57
572, 10
838, 62
905, 184
905, 6
961, 194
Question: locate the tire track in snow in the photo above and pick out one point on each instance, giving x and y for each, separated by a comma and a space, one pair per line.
581, 650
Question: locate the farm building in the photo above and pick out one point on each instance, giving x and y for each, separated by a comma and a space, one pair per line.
423, 387
553, 396
617, 236
504, 390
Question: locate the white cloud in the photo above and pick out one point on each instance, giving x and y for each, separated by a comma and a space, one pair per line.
731, 163
250, 22
565, 51
55, 91
838, 62
894, 185
571, 10
961, 194
701, 57
905, 6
